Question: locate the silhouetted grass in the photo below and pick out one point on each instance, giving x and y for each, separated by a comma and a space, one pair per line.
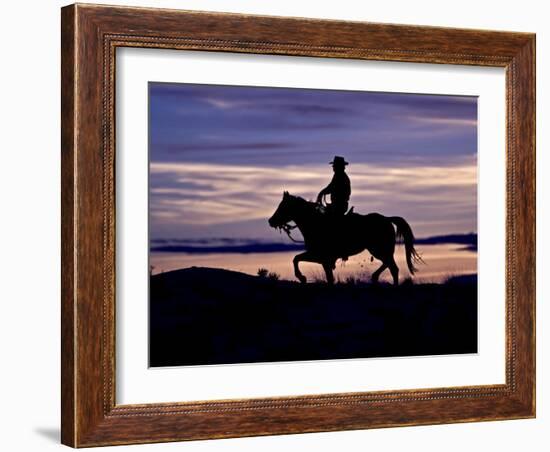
266, 274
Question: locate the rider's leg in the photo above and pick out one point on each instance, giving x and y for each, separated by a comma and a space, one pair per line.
337, 212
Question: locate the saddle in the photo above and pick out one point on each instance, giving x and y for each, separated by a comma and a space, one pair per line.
327, 211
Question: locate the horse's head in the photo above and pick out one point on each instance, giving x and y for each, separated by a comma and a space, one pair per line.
284, 212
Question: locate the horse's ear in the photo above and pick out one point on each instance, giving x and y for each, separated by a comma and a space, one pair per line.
285, 194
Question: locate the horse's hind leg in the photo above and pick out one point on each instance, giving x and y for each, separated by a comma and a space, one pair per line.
376, 274
394, 271
328, 267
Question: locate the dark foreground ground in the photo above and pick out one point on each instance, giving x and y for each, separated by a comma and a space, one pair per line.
210, 316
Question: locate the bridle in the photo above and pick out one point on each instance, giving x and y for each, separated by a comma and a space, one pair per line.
287, 227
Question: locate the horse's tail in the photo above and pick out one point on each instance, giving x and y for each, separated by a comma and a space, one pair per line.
404, 232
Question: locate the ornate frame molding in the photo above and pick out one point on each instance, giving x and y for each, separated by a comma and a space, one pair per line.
90, 37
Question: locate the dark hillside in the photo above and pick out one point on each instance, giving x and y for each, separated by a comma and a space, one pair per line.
212, 316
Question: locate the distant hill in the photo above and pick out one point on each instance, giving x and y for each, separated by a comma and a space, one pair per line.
243, 246
213, 316
469, 240
254, 247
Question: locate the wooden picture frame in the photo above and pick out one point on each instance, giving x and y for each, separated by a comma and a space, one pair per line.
90, 36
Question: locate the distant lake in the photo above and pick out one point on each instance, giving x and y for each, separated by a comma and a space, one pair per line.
442, 262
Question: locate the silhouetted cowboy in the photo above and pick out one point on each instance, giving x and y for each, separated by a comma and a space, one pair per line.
339, 188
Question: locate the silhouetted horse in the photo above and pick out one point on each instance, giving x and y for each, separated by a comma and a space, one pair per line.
327, 238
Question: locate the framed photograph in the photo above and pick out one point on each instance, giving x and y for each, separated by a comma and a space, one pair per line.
281, 225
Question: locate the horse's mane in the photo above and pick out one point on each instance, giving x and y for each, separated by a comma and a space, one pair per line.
303, 201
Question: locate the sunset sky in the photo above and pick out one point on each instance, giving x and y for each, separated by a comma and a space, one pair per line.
221, 156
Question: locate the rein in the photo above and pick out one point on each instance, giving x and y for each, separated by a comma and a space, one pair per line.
287, 228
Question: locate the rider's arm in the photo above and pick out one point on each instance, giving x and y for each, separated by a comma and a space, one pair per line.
325, 191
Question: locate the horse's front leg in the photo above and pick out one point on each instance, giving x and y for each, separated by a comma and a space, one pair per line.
305, 256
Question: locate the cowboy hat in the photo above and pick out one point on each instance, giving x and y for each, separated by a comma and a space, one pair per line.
338, 161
